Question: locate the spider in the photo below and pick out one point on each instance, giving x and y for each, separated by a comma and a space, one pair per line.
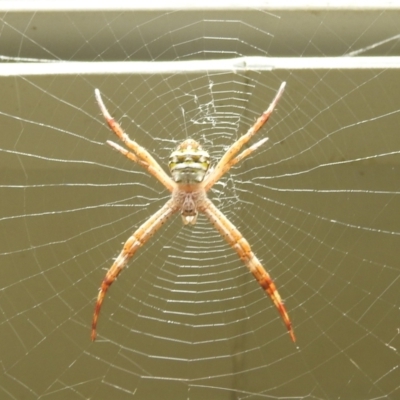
191, 180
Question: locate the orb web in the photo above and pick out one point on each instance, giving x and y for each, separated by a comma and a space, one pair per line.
318, 202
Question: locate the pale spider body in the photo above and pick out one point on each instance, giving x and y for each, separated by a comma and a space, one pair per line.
191, 179
188, 165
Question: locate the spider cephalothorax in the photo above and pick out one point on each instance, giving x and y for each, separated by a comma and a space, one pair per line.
190, 182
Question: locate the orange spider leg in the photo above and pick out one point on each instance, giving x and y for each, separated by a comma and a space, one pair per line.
242, 155
225, 163
139, 161
242, 247
141, 156
137, 240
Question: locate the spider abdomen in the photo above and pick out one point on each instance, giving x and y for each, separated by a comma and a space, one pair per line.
189, 162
